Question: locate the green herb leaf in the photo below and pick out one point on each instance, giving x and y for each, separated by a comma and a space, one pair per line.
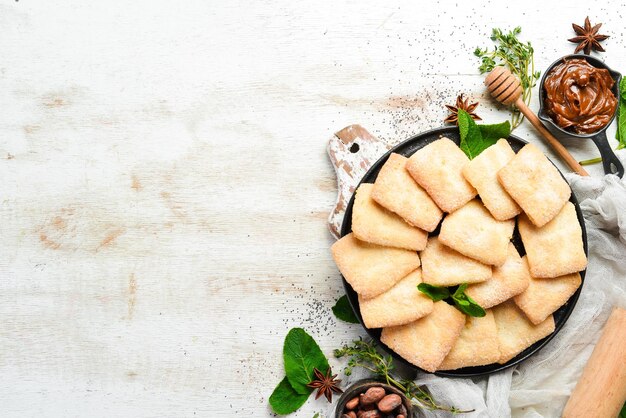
285, 400
461, 289
622, 413
343, 310
462, 302
436, 293
463, 120
472, 142
621, 116
477, 138
492, 133
466, 304
301, 355
472, 310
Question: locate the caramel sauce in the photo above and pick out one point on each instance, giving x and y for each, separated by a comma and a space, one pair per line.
579, 96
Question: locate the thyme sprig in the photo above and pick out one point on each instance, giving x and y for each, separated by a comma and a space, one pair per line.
363, 354
515, 55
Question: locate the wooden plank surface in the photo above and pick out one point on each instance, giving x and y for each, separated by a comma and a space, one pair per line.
165, 185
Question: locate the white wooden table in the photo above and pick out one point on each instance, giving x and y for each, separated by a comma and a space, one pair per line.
165, 185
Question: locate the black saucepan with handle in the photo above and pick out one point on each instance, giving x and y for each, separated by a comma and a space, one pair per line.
610, 162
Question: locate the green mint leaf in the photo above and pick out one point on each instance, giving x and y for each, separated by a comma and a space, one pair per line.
462, 302
301, 355
466, 304
461, 289
472, 310
491, 133
471, 138
477, 138
436, 293
285, 400
620, 135
343, 310
622, 413
463, 119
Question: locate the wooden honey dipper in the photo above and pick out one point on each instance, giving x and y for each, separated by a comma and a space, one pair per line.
507, 89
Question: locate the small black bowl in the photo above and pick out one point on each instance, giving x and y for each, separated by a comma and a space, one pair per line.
610, 162
363, 385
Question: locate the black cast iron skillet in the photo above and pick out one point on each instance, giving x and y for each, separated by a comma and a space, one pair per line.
610, 162
407, 148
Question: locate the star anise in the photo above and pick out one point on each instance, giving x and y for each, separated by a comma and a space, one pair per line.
325, 384
463, 104
588, 37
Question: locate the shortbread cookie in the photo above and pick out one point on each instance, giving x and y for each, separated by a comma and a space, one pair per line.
477, 345
443, 266
515, 332
535, 184
396, 190
473, 232
482, 173
438, 169
371, 269
555, 249
399, 305
544, 296
427, 341
508, 280
374, 224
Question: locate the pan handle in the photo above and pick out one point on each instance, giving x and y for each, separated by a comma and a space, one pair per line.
612, 164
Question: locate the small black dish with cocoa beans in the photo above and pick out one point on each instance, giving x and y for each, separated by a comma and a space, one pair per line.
373, 399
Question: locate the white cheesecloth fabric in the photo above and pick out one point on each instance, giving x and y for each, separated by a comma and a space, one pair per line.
541, 385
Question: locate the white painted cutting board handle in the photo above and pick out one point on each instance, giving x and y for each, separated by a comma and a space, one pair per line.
352, 152
601, 390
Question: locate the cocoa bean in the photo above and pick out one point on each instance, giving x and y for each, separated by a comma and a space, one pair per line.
369, 414
402, 410
400, 416
352, 403
368, 407
350, 414
372, 395
389, 403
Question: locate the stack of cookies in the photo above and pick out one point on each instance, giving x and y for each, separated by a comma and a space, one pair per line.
476, 203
